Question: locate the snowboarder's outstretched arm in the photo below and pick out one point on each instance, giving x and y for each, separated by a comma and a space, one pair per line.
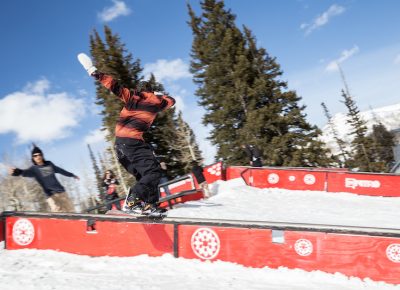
107, 81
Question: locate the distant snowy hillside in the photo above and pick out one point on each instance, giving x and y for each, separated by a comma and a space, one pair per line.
389, 116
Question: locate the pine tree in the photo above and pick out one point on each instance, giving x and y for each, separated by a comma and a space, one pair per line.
361, 144
245, 101
383, 143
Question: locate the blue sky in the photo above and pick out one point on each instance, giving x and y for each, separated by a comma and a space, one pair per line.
46, 96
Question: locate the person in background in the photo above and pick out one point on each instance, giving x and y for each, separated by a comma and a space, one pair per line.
110, 183
164, 177
197, 171
44, 172
254, 155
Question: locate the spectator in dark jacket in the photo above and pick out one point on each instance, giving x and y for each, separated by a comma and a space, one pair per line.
254, 155
44, 173
197, 171
110, 183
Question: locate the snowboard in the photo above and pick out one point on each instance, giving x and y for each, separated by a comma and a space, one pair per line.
154, 216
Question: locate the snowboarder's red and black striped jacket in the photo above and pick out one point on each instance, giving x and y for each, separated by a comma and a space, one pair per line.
138, 112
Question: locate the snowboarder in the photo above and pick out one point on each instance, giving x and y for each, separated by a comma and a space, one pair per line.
44, 173
110, 183
135, 155
254, 154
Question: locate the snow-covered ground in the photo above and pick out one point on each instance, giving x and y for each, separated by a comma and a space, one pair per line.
233, 200
38, 269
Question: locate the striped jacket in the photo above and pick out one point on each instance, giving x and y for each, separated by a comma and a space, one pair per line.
138, 112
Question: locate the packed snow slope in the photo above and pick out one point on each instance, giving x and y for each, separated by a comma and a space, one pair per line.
42, 270
234, 200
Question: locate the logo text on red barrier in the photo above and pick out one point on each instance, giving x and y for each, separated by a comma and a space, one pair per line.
353, 183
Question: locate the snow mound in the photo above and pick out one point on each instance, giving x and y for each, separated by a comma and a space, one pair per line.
233, 200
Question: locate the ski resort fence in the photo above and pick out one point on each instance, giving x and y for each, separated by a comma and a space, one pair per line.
361, 252
353, 251
319, 179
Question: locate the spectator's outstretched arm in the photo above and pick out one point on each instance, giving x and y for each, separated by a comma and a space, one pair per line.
63, 171
24, 172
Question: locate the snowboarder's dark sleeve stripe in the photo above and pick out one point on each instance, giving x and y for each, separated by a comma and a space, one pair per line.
115, 88
163, 105
147, 107
133, 123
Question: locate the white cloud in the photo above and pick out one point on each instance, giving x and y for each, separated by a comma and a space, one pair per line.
346, 54
95, 136
167, 70
322, 19
110, 13
35, 115
38, 87
397, 59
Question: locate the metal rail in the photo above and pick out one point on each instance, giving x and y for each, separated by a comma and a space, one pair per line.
184, 177
341, 229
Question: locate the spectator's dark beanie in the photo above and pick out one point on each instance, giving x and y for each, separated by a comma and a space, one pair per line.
35, 150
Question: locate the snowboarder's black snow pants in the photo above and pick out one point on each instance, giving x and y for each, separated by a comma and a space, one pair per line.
138, 159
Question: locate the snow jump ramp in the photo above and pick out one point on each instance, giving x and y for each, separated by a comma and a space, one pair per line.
353, 251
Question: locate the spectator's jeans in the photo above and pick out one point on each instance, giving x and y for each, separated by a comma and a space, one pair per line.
60, 202
117, 203
166, 189
205, 189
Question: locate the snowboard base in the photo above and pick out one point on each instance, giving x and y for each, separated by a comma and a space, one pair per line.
159, 216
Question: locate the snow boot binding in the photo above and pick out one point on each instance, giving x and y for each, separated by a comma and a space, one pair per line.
152, 210
133, 204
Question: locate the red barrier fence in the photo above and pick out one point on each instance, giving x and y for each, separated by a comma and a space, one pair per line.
364, 183
187, 184
211, 173
214, 172
288, 179
89, 237
320, 180
359, 252
2, 229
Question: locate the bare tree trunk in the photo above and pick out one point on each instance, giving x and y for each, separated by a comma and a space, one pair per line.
117, 166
